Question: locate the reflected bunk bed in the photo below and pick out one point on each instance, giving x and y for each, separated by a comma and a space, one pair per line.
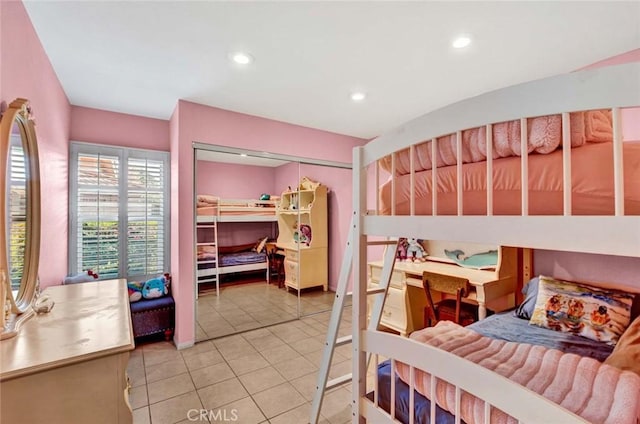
580, 192
213, 260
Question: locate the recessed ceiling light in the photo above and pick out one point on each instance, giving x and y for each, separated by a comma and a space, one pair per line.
241, 58
358, 96
244, 155
461, 42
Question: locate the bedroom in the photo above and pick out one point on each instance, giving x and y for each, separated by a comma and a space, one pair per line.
60, 122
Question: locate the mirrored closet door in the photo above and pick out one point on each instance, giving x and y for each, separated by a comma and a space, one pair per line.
267, 249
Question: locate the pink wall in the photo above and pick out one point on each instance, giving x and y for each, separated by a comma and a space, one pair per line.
25, 71
631, 116
340, 205
235, 181
118, 129
588, 267
599, 268
193, 122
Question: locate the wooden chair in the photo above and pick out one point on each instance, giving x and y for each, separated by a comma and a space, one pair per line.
276, 264
447, 309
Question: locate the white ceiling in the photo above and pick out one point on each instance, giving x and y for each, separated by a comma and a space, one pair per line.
141, 57
216, 156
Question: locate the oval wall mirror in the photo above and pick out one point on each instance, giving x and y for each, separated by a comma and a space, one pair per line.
20, 215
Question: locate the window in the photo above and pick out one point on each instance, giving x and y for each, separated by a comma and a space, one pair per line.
119, 211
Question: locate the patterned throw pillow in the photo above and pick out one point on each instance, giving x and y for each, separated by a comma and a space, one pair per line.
595, 313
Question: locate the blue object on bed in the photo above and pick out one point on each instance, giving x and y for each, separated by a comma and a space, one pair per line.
422, 405
507, 326
242, 258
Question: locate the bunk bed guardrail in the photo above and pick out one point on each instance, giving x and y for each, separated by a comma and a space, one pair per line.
618, 234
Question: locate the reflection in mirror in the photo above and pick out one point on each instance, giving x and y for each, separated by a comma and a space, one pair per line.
305, 249
240, 272
20, 243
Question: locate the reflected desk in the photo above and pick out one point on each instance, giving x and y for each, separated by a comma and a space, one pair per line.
403, 311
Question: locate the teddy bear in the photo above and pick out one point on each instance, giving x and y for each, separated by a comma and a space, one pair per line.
415, 251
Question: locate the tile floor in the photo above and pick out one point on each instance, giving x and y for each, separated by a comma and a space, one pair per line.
261, 376
254, 305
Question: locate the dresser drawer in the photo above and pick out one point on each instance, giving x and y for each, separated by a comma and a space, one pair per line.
290, 271
292, 255
397, 277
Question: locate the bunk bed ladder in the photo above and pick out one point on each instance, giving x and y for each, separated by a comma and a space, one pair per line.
213, 226
332, 341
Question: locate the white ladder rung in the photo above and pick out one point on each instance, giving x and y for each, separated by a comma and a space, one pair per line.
344, 340
376, 290
332, 340
338, 381
382, 242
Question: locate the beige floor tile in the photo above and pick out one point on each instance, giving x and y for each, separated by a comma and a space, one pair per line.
299, 415
278, 399
340, 368
247, 363
138, 397
165, 369
236, 349
169, 387
175, 409
155, 357
307, 345
306, 385
262, 379
279, 354
266, 342
222, 393
137, 376
199, 347
212, 374
336, 406
203, 359
253, 334
244, 411
141, 416
295, 368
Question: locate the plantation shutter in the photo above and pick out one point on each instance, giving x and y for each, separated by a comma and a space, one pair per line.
119, 211
98, 197
145, 225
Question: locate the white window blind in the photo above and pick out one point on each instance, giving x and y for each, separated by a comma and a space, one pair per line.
119, 211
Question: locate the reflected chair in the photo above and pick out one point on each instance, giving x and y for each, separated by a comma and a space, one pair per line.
276, 264
447, 309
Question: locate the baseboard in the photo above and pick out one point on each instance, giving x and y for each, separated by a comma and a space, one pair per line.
185, 345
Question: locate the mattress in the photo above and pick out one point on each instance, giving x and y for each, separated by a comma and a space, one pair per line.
252, 211
592, 185
502, 326
240, 258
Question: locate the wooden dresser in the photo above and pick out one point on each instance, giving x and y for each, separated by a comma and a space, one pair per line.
69, 366
404, 306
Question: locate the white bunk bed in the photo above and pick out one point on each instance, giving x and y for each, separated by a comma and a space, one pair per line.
210, 212
618, 233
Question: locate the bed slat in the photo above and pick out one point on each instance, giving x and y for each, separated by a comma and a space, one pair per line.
566, 163
489, 138
434, 178
618, 163
524, 166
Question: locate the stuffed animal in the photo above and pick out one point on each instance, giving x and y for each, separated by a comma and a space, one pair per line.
135, 290
82, 277
305, 234
155, 288
415, 251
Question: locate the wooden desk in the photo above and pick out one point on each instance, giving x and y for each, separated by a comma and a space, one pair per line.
406, 300
70, 365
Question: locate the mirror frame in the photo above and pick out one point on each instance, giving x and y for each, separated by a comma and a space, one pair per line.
16, 310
